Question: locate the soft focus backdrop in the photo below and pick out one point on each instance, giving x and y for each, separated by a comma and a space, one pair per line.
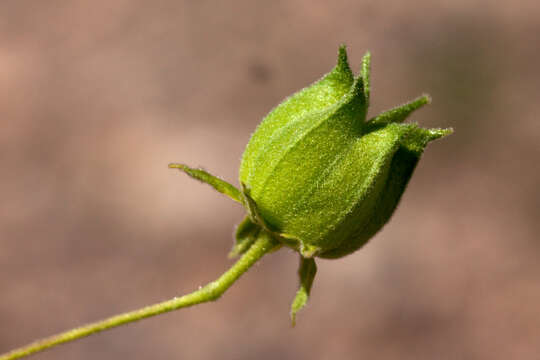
97, 97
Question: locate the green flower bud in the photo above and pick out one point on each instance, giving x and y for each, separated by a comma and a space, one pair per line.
319, 175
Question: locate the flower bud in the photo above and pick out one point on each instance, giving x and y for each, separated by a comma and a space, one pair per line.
319, 175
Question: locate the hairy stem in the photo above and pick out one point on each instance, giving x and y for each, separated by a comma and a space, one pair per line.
264, 244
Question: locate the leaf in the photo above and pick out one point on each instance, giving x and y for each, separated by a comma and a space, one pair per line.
218, 184
306, 272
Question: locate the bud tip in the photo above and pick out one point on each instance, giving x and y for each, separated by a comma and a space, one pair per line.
342, 57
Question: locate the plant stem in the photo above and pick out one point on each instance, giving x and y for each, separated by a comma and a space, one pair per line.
264, 244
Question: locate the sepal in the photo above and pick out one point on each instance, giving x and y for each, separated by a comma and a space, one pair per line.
327, 91
218, 184
306, 273
400, 113
365, 73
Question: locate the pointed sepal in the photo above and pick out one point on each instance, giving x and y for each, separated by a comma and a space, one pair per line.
306, 272
400, 113
365, 73
418, 138
342, 67
220, 185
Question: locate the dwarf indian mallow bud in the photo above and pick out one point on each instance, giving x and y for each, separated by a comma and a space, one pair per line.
323, 178
320, 178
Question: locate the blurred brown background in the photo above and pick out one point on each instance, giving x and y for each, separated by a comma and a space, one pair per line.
97, 97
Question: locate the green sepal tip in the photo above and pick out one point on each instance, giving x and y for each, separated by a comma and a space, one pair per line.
218, 184
306, 273
365, 73
401, 112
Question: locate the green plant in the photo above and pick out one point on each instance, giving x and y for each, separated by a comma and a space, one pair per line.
315, 177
